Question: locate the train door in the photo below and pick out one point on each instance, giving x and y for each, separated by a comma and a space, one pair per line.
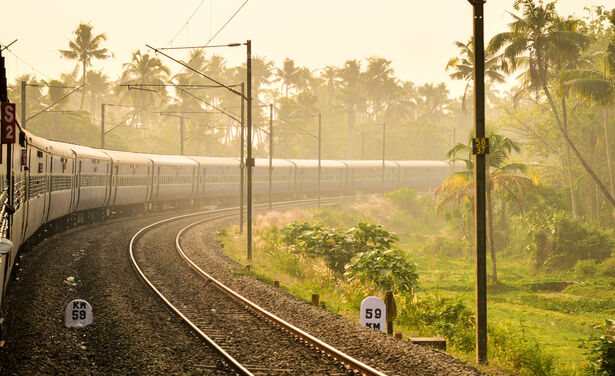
158, 181
150, 183
44, 169
116, 182
77, 185
108, 179
25, 162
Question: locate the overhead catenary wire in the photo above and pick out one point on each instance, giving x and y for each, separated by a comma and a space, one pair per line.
54, 103
26, 63
209, 41
232, 116
187, 22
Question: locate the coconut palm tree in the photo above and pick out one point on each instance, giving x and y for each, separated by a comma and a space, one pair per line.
84, 49
463, 67
143, 69
351, 95
380, 83
543, 43
287, 75
597, 86
98, 85
502, 176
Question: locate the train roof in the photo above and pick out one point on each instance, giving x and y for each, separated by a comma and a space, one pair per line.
175, 160
423, 163
39, 142
60, 148
216, 161
128, 157
368, 163
313, 163
87, 152
264, 162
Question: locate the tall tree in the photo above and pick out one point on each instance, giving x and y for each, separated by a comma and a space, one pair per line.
352, 96
598, 86
143, 69
287, 75
538, 40
503, 176
463, 67
84, 48
380, 84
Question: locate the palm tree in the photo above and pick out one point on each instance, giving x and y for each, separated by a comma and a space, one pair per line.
351, 95
380, 83
143, 69
597, 86
331, 81
84, 48
98, 85
542, 42
288, 74
463, 67
502, 176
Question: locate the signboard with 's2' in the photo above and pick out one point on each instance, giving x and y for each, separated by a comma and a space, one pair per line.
374, 313
9, 124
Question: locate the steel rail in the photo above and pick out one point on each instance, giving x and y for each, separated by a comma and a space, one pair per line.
232, 361
345, 359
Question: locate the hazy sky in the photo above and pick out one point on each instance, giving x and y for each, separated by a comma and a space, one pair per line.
417, 35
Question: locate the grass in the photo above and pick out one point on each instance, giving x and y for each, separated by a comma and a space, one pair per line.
555, 322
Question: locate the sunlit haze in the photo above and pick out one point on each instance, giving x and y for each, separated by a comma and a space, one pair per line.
417, 36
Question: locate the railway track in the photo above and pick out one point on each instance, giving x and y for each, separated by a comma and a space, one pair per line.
249, 339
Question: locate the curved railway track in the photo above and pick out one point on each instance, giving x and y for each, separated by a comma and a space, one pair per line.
210, 305
134, 334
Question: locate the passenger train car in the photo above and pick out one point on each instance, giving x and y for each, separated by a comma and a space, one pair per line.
56, 185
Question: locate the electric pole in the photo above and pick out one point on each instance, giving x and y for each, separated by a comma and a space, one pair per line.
480, 149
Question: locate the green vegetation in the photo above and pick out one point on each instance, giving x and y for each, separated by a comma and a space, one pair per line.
541, 321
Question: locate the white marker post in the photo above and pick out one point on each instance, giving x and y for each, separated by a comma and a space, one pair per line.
78, 314
374, 313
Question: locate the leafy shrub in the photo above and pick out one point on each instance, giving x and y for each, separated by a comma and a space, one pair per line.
355, 291
387, 268
602, 350
405, 199
557, 241
294, 230
450, 318
584, 268
607, 268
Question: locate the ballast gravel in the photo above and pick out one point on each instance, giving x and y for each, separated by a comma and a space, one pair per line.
134, 334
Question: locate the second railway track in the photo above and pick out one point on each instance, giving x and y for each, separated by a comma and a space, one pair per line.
254, 341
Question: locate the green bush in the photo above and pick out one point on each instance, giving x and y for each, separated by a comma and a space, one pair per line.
421, 208
585, 268
602, 350
450, 318
387, 268
607, 268
557, 241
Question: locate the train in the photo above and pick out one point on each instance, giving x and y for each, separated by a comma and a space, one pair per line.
55, 185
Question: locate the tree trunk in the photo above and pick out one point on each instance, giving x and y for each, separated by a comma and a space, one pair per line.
576, 152
83, 88
607, 147
350, 114
494, 269
573, 201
